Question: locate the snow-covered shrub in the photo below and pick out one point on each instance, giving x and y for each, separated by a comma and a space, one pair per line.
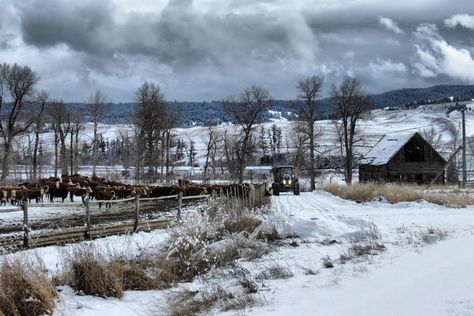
216, 238
310, 271
25, 288
276, 271
432, 235
270, 235
358, 250
188, 302
327, 262
244, 279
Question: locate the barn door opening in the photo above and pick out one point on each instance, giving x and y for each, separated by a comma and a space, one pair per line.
415, 151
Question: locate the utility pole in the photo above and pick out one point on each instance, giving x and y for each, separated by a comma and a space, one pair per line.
462, 108
464, 171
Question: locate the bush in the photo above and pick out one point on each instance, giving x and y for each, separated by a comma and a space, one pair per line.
270, 236
90, 273
358, 250
275, 272
194, 302
206, 241
432, 235
25, 288
327, 262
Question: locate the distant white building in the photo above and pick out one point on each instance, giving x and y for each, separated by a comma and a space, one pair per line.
258, 173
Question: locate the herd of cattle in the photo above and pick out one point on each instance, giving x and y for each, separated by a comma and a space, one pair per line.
54, 188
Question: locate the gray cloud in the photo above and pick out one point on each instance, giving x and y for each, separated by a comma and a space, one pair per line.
207, 49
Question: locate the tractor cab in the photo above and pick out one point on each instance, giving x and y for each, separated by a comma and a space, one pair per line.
285, 179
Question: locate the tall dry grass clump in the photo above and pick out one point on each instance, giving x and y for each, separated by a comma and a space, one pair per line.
364, 192
89, 272
25, 288
395, 193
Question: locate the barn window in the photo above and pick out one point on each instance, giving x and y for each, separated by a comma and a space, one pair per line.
414, 151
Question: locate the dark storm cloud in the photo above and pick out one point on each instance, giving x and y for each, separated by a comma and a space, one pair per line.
83, 25
179, 36
207, 49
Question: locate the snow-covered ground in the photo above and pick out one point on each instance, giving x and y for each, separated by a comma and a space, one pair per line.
411, 277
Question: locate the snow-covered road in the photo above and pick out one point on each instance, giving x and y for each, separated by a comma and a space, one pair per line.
409, 278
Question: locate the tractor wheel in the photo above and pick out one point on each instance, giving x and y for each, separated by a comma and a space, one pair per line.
296, 188
276, 188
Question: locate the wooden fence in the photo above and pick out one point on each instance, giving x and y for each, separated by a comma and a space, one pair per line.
254, 197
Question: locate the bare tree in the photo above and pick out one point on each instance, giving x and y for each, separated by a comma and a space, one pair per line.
150, 120
433, 137
17, 82
61, 124
307, 110
340, 137
170, 120
77, 125
262, 141
350, 103
299, 137
211, 143
38, 125
247, 111
99, 109
450, 128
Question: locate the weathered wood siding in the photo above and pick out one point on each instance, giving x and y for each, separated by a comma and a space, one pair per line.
401, 169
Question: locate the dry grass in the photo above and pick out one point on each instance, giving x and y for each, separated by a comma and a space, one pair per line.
394, 193
187, 302
91, 272
275, 272
432, 235
25, 289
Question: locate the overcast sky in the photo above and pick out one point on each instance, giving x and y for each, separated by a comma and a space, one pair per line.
209, 49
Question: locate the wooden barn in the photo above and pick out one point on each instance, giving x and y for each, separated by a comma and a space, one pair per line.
402, 157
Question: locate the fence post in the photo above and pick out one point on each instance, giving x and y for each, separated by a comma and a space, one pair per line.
26, 229
180, 203
88, 218
252, 196
137, 212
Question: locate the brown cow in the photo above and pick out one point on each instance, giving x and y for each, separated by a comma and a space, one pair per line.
123, 193
105, 195
79, 191
34, 193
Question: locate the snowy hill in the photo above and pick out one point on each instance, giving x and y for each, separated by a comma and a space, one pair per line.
197, 113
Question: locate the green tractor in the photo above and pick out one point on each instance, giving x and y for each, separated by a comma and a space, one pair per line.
285, 179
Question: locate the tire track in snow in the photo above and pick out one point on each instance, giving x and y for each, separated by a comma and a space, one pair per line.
306, 215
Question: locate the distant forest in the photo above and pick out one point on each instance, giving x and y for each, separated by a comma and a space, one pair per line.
200, 113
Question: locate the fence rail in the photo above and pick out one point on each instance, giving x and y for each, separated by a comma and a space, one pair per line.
251, 198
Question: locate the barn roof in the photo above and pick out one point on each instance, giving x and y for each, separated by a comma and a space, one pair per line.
386, 148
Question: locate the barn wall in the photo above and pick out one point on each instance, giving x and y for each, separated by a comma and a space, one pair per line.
400, 170
422, 172
372, 173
